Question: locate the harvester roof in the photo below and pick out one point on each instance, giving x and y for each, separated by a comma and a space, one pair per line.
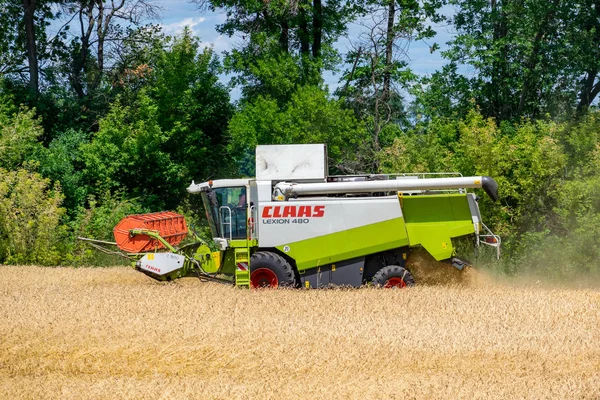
217, 183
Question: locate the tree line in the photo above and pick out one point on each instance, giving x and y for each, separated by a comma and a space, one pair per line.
102, 114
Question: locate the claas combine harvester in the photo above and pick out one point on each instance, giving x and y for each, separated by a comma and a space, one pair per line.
293, 225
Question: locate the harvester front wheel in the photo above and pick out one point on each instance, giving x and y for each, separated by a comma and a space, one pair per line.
270, 270
393, 276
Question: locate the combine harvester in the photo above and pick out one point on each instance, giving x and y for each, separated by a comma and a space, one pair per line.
293, 225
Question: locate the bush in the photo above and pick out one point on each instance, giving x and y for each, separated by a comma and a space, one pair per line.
30, 219
97, 222
19, 133
549, 185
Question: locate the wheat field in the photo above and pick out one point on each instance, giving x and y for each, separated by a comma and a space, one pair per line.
114, 333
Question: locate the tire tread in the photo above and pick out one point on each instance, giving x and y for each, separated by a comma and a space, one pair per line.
276, 263
392, 271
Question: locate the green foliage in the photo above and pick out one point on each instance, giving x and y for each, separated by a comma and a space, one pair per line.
581, 141
379, 72
13, 40
193, 106
19, 131
285, 44
135, 148
524, 59
310, 117
30, 219
526, 160
59, 162
304, 25
549, 184
171, 134
578, 199
275, 74
422, 149
446, 93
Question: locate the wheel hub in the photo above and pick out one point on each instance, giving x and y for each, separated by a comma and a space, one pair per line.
263, 277
395, 282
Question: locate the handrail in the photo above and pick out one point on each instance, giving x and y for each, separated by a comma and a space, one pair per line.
252, 221
395, 175
489, 238
222, 224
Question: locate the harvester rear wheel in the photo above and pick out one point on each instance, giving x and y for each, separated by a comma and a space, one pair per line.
270, 270
393, 276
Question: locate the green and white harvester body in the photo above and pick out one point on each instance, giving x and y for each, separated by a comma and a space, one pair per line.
293, 225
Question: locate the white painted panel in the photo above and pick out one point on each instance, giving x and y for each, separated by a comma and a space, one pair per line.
291, 161
161, 263
280, 225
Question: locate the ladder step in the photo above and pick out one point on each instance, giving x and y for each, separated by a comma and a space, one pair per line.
241, 255
242, 278
242, 275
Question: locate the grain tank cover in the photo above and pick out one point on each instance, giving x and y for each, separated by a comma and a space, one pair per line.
169, 225
291, 162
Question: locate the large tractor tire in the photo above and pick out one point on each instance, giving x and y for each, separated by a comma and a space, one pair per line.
270, 270
393, 276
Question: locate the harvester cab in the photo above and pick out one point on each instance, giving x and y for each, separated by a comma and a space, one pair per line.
294, 225
226, 206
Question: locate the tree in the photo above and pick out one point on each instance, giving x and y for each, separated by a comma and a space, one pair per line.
380, 71
299, 32
526, 158
19, 133
309, 117
277, 75
531, 58
65, 76
172, 133
445, 93
61, 163
99, 33
29, 7
24, 44
30, 219
585, 30
302, 25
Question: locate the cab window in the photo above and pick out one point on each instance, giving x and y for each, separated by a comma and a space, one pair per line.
228, 209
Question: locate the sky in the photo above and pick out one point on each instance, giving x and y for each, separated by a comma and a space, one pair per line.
177, 14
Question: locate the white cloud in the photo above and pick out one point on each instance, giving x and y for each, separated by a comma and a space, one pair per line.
177, 27
220, 44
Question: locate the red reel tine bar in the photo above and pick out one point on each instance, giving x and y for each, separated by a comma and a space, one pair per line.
170, 226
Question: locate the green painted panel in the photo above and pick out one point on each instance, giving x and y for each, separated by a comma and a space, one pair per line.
432, 220
348, 244
229, 266
209, 260
237, 243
